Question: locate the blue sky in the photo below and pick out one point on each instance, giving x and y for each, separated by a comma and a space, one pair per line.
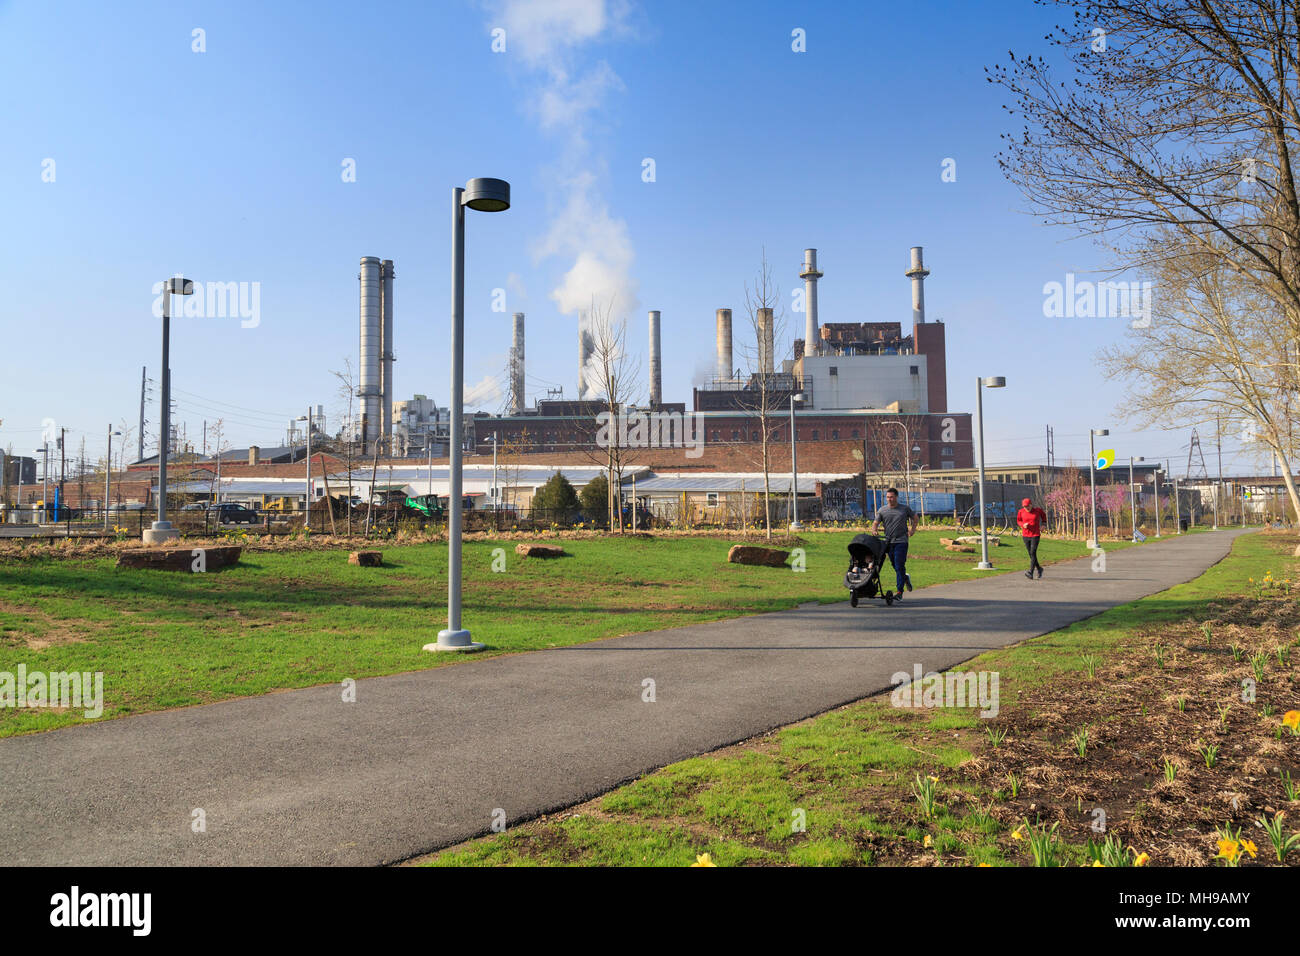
226, 165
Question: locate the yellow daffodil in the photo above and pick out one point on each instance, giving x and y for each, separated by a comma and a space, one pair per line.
1291, 719
1098, 863
935, 779
1141, 859
928, 841
1016, 834
1228, 850
703, 860
1249, 847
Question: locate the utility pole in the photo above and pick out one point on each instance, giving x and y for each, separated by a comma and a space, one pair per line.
139, 452
1218, 441
1051, 448
63, 469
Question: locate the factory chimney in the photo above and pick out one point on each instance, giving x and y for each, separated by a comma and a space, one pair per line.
917, 274
370, 390
810, 275
725, 369
386, 357
656, 379
517, 366
928, 340
766, 341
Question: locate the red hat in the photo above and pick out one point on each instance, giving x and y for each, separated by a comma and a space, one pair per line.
1026, 503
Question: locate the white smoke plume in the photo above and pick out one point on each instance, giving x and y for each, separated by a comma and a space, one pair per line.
547, 35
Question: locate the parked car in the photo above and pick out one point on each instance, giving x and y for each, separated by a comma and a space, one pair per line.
234, 514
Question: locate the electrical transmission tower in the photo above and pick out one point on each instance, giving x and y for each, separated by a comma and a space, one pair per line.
1194, 451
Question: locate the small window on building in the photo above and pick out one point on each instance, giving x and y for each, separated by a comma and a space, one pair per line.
711, 499
814, 434
835, 433
855, 433
915, 370
735, 435
753, 436
834, 370
947, 450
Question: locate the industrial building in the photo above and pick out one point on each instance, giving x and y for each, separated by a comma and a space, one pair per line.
859, 381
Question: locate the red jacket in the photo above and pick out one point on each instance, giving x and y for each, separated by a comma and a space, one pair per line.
1031, 522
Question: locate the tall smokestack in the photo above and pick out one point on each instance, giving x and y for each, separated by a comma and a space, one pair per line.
584, 353
656, 380
810, 275
517, 366
766, 341
725, 369
917, 274
371, 343
386, 357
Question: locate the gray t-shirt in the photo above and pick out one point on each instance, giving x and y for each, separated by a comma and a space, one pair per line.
895, 520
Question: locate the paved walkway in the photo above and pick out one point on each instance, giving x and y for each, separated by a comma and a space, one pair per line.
423, 760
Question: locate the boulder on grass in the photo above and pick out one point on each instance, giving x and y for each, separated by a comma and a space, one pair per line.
193, 560
762, 557
366, 559
540, 551
994, 540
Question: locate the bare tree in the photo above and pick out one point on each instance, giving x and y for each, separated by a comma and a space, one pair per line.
615, 379
766, 393
348, 426
1216, 347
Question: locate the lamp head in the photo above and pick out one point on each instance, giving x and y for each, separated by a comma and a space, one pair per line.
797, 397
486, 195
1101, 432
177, 285
994, 381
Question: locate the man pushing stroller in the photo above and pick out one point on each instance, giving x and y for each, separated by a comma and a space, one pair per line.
900, 523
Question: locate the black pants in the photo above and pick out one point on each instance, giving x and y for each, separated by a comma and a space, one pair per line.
1031, 545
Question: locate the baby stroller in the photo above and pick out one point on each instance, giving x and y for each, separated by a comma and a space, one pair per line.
866, 555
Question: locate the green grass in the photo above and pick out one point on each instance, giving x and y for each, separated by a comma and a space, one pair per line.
285, 620
846, 768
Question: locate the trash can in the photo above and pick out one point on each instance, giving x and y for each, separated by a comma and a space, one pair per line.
1182, 524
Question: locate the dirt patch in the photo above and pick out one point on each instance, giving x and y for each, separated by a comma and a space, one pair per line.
39, 630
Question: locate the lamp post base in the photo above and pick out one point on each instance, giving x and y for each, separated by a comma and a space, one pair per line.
1090, 544
795, 526
454, 641
161, 533
984, 566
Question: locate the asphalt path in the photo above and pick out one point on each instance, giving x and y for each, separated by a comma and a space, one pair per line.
427, 759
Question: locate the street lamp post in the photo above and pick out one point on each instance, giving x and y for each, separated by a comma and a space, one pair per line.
1093, 434
993, 381
794, 468
1155, 484
1132, 498
108, 474
1178, 513
162, 530
485, 195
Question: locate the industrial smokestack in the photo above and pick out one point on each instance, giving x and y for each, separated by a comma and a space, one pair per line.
766, 341
584, 354
725, 369
810, 275
917, 274
371, 343
656, 380
386, 357
517, 366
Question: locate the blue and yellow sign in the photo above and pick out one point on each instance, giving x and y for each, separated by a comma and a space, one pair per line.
1105, 459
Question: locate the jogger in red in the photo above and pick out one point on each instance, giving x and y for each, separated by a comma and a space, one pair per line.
1031, 521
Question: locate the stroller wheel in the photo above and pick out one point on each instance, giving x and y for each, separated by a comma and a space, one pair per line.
889, 598
853, 599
